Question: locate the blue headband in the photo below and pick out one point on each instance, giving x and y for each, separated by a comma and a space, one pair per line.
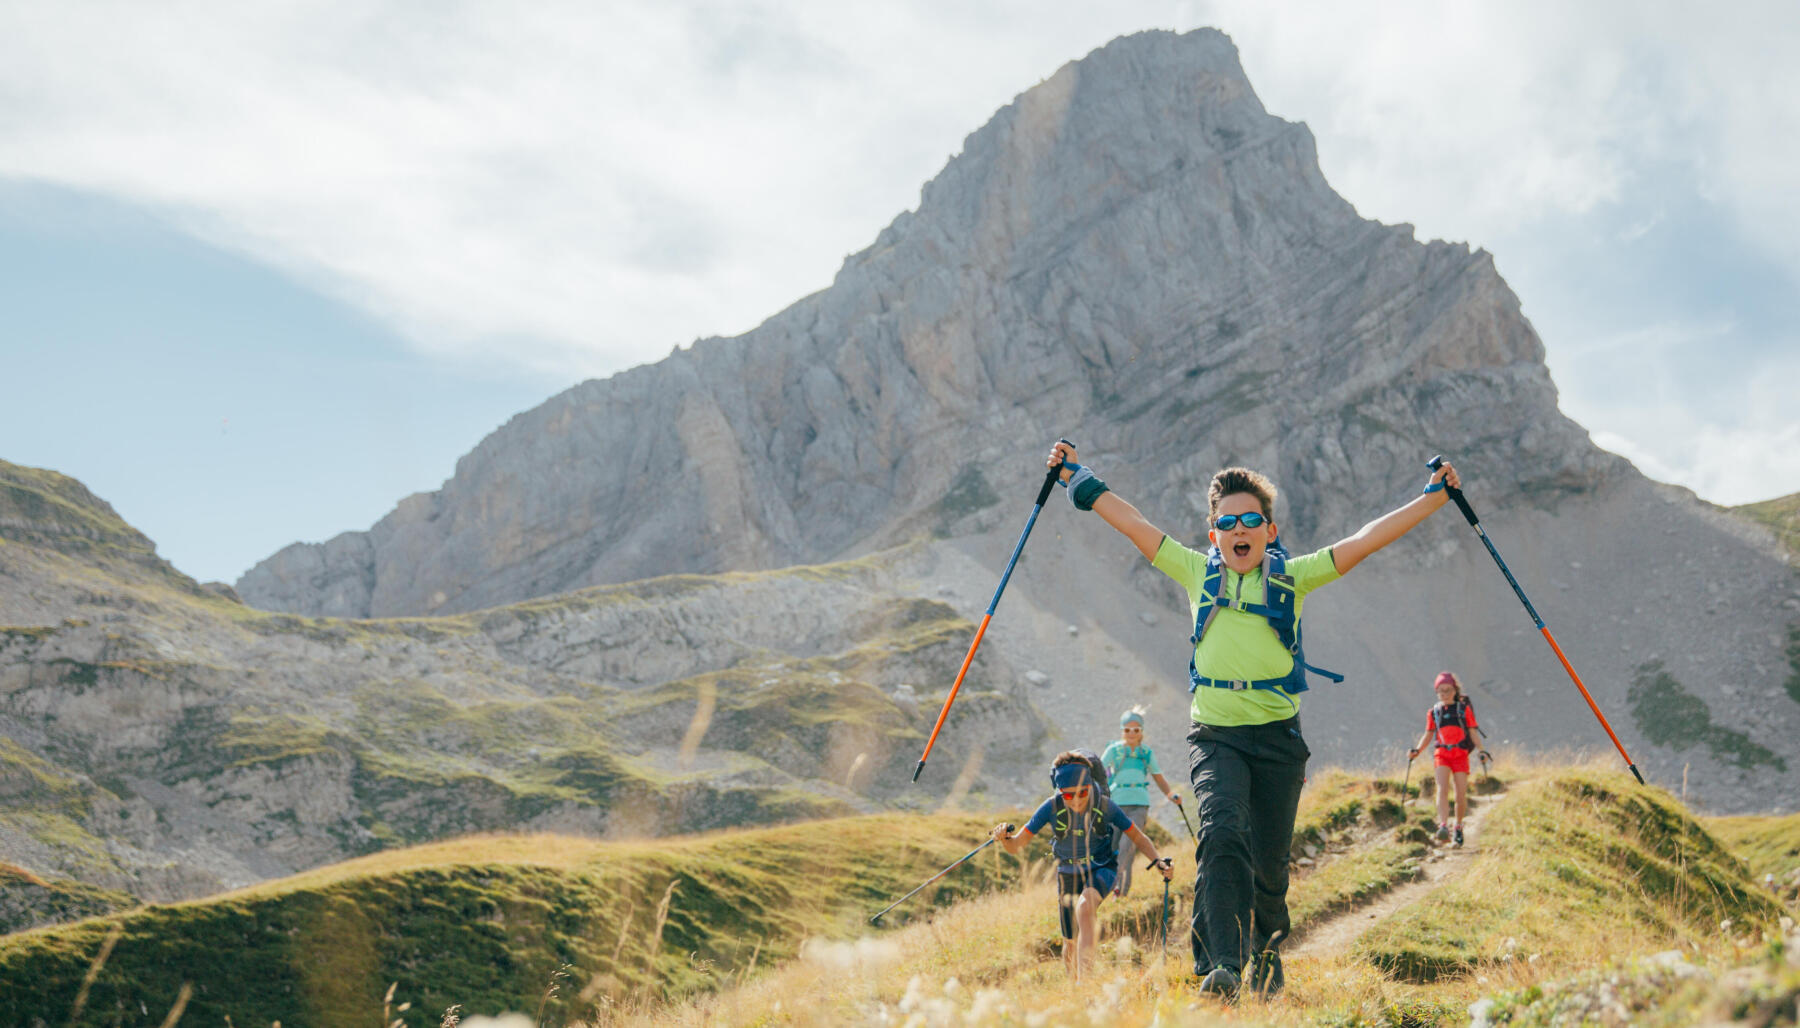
1130, 717
1068, 776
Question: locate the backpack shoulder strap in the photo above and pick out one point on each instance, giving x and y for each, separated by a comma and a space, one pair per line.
1212, 587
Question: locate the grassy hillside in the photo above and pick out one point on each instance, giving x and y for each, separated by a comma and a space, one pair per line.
1583, 896
490, 923
43, 508
1584, 877
1782, 516
1574, 867
1769, 845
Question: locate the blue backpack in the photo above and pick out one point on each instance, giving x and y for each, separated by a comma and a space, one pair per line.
1280, 602
1141, 758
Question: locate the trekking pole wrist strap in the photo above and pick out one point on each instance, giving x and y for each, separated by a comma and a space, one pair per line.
1434, 487
1084, 486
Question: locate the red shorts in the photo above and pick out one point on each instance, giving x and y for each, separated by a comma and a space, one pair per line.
1453, 757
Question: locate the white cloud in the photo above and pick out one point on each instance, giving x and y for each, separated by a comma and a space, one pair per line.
1656, 391
1473, 120
589, 184
581, 186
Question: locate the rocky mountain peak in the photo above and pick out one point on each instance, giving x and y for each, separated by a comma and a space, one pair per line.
1133, 253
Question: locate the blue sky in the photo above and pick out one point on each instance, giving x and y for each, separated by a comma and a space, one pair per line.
267, 269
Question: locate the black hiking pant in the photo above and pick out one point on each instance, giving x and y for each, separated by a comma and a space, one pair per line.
1247, 780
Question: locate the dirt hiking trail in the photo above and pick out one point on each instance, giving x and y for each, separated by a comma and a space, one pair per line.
1444, 863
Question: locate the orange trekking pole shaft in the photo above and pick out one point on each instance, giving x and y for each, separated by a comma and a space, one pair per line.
1475, 523
1019, 547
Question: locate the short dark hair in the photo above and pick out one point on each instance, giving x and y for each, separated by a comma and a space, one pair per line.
1240, 480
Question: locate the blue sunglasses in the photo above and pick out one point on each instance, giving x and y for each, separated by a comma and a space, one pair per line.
1227, 522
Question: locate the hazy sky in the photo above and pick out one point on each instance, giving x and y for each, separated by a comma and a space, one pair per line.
266, 268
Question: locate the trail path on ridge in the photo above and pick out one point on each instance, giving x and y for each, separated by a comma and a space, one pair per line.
1447, 862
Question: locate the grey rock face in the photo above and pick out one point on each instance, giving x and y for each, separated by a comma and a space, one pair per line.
1133, 253
169, 744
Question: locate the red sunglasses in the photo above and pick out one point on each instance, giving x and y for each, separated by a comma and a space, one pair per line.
1069, 794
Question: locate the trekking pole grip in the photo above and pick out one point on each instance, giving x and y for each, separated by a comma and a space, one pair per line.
1455, 493
1050, 478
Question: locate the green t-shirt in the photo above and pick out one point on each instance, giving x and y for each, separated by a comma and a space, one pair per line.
1239, 645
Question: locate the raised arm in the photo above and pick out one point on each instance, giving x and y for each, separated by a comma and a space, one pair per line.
1112, 509
1390, 526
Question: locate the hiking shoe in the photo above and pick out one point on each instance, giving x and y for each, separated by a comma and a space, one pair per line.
1266, 978
1457, 837
1443, 833
1221, 981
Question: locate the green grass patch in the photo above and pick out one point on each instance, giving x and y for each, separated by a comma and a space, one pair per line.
1768, 845
1793, 658
969, 493
485, 922
1668, 715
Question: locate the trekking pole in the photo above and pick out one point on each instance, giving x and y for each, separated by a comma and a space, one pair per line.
959, 862
1179, 809
1475, 523
1406, 797
1165, 942
1043, 494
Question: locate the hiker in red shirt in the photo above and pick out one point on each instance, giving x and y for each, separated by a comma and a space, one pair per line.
1451, 723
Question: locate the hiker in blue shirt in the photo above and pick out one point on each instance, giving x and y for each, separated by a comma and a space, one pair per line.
1082, 819
1130, 765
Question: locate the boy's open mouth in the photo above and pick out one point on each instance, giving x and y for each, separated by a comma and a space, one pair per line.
1241, 549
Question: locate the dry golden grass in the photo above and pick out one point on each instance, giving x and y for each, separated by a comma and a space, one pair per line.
1577, 869
993, 961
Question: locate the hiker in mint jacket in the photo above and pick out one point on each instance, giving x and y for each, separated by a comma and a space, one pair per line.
1130, 767
1246, 756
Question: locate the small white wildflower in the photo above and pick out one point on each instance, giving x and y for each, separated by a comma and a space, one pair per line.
915, 994
990, 1005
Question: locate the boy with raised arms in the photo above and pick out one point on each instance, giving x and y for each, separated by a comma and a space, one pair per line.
1246, 756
